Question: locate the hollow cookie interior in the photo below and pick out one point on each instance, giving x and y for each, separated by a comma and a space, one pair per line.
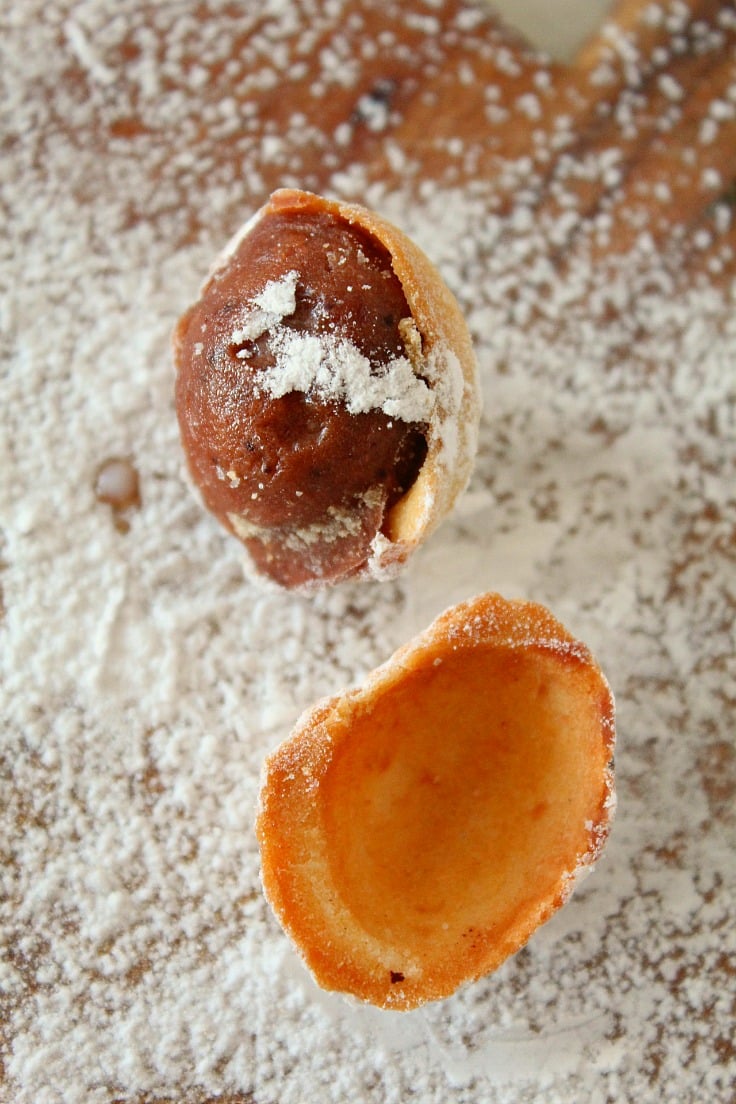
416, 831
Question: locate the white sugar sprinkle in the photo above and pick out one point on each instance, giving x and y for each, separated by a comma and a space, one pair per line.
335, 369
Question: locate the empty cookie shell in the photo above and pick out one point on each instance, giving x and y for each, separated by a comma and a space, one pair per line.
327, 392
415, 831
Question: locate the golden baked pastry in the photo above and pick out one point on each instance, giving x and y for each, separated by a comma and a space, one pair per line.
414, 832
327, 392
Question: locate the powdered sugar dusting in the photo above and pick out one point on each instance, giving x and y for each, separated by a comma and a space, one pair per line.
276, 302
143, 680
328, 366
333, 368
445, 375
278, 298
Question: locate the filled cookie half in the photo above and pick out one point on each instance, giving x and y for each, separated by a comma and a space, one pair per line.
326, 392
415, 831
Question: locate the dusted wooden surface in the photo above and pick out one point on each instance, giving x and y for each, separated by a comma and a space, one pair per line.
583, 217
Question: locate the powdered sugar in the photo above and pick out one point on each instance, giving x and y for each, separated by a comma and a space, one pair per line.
276, 302
334, 368
143, 680
278, 298
328, 365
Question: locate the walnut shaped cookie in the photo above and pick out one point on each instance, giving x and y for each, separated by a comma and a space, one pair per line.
327, 392
415, 831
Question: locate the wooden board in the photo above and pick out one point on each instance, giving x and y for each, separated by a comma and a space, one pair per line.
583, 215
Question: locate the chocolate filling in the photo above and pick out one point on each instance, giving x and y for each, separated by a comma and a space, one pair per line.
295, 463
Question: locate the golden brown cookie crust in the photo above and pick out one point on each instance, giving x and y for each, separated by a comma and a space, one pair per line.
415, 831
